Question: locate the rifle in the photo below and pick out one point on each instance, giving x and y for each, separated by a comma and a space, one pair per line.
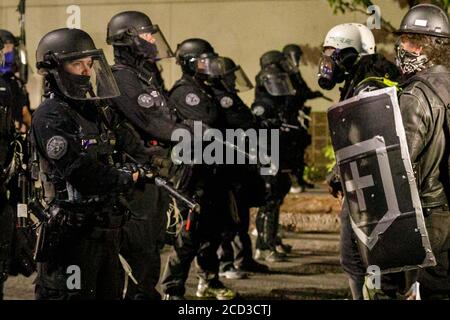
21, 48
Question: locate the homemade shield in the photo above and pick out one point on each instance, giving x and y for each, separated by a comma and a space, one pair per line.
378, 181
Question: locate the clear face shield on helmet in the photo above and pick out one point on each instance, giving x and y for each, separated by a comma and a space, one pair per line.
162, 46
85, 76
289, 66
150, 43
278, 84
212, 66
294, 58
236, 80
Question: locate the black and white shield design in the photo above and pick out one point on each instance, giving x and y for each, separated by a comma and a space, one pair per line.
378, 181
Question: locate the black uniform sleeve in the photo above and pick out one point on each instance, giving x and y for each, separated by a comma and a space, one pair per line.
56, 136
265, 112
128, 140
193, 104
151, 120
238, 115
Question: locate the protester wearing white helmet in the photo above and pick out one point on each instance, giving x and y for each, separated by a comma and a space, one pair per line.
349, 56
343, 47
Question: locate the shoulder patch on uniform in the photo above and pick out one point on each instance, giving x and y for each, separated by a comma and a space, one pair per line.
192, 99
145, 100
56, 147
258, 110
226, 102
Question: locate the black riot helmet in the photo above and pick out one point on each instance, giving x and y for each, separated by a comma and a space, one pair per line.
73, 65
426, 19
198, 58
275, 57
275, 81
293, 52
235, 78
125, 28
7, 37
270, 57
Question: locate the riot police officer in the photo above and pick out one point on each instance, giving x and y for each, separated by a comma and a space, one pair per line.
422, 55
76, 137
138, 44
273, 88
6, 210
20, 259
194, 100
297, 109
246, 185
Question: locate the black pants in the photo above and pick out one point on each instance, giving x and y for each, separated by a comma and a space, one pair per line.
350, 258
201, 242
6, 236
95, 256
268, 215
435, 281
236, 246
144, 235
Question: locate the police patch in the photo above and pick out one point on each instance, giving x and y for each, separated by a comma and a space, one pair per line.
145, 100
56, 147
226, 102
192, 99
258, 110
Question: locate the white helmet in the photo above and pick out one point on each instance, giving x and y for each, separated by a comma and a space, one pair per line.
351, 35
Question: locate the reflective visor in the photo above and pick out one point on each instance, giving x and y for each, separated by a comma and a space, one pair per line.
85, 76
288, 66
213, 66
293, 58
278, 84
237, 80
163, 47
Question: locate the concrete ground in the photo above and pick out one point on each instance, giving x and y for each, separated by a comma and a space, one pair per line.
311, 272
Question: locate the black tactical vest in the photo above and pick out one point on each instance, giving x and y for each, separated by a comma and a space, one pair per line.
96, 139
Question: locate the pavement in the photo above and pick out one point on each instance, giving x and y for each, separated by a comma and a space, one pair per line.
311, 272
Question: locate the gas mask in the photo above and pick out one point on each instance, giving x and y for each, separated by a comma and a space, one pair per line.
333, 68
409, 62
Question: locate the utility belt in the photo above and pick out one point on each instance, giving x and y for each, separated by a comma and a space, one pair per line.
89, 215
65, 221
429, 211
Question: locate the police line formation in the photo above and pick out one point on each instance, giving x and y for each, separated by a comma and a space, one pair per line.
88, 184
